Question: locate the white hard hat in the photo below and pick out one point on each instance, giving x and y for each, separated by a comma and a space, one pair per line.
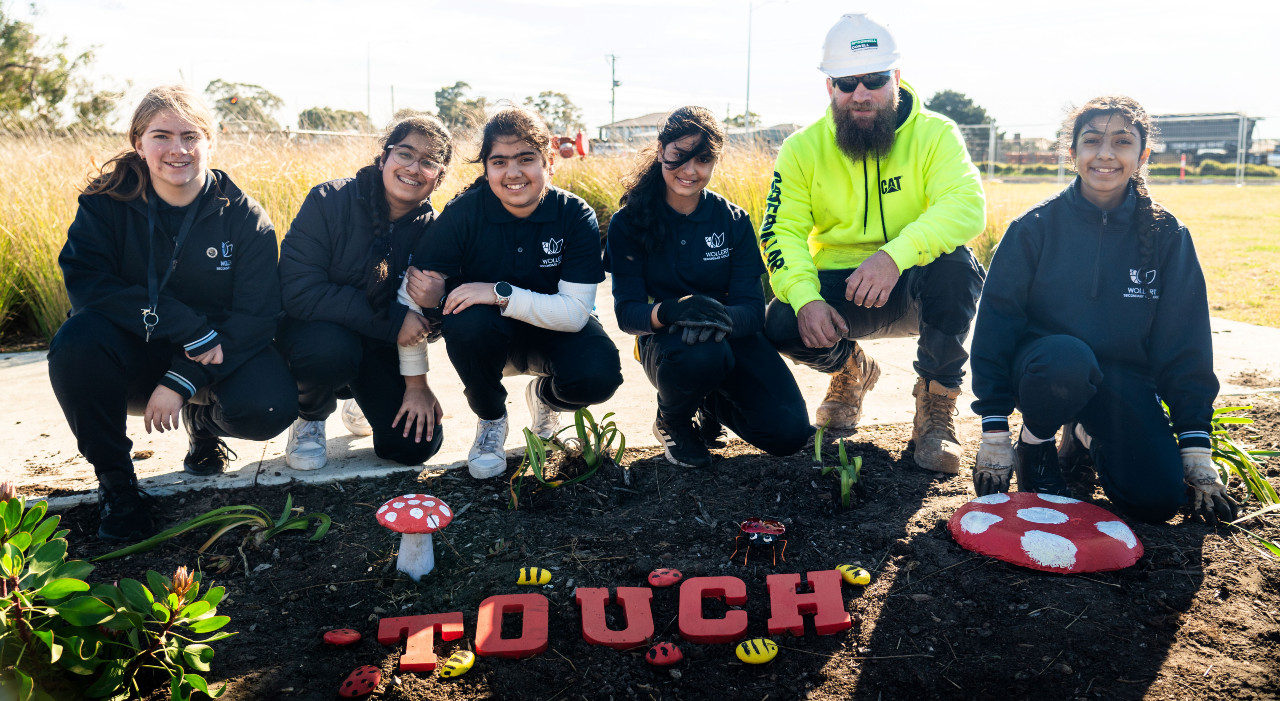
856, 45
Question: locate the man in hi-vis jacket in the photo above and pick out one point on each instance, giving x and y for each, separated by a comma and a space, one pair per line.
864, 237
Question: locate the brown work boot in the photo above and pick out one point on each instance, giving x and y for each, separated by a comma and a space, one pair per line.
842, 407
934, 429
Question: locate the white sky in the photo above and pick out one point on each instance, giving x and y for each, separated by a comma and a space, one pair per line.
1024, 61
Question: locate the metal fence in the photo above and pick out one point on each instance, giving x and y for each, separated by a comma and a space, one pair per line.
1217, 144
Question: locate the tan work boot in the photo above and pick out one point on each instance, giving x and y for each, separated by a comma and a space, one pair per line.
842, 407
934, 429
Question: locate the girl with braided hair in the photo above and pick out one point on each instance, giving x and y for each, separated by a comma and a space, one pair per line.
1094, 312
340, 265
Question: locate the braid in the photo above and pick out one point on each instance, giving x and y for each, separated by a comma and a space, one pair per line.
377, 264
1148, 218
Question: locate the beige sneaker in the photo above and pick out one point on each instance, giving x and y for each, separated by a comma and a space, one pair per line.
934, 429
842, 407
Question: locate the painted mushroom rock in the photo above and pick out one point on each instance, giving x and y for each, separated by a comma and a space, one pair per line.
415, 517
1045, 532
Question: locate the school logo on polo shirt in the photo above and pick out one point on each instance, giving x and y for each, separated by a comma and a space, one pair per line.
225, 263
716, 250
552, 248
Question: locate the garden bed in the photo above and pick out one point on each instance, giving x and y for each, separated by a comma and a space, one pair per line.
1197, 617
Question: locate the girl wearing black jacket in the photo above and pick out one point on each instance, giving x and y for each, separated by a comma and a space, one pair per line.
522, 262
1094, 311
340, 266
169, 268
686, 281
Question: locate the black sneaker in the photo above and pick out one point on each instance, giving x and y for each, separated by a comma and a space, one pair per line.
709, 429
1037, 469
124, 511
206, 453
1074, 459
682, 443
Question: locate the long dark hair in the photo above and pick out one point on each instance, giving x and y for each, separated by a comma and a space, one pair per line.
525, 125
114, 176
1149, 216
378, 277
646, 191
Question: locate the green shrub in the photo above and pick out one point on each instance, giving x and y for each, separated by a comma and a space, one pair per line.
61, 637
1212, 167
1169, 169
1257, 170
1040, 169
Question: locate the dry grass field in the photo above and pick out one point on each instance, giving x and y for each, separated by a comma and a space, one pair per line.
1237, 230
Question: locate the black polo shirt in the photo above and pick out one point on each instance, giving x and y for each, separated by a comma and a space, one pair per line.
711, 252
475, 239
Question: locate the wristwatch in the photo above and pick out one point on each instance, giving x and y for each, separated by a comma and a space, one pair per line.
502, 290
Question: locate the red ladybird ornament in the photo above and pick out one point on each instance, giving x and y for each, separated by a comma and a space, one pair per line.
664, 577
341, 636
663, 654
1045, 532
360, 682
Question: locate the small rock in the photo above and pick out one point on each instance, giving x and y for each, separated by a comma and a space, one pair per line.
379, 610
675, 674
293, 596
921, 597
1063, 668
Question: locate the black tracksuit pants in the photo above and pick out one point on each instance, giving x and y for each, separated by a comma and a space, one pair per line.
101, 373
743, 382
331, 362
576, 369
936, 302
1134, 450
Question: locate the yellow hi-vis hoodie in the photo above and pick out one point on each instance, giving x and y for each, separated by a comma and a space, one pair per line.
826, 211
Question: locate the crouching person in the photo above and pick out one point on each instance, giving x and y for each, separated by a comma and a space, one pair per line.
170, 270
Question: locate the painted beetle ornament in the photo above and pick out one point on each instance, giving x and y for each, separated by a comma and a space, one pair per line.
458, 664
854, 575
360, 682
760, 531
663, 654
535, 576
664, 577
756, 650
341, 636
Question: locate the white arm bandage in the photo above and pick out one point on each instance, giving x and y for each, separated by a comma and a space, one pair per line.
413, 359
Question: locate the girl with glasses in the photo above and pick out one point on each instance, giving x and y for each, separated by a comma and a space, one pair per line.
340, 266
521, 261
170, 269
687, 281
1094, 313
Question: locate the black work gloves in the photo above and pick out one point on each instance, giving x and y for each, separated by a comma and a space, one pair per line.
697, 317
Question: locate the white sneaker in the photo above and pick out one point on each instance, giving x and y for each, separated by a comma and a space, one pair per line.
544, 421
353, 418
487, 458
306, 447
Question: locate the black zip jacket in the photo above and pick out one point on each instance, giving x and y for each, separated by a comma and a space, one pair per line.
1068, 267
222, 290
325, 257
712, 251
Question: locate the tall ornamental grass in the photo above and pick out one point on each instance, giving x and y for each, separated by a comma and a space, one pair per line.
40, 176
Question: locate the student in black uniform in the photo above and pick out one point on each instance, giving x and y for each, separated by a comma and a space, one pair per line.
1094, 311
521, 261
170, 269
686, 280
340, 266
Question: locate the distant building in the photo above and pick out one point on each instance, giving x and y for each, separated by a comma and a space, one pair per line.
761, 137
641, 128
1201, 136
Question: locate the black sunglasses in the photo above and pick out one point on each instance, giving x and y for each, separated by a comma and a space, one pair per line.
873, 81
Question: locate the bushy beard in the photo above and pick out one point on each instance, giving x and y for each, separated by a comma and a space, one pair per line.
858, 141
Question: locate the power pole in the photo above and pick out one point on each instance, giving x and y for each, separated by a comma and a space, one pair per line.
746, 115
613, 90
368, 79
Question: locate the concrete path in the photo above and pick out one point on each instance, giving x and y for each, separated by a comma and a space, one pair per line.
38, 451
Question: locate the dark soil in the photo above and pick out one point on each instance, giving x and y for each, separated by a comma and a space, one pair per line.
1197, 617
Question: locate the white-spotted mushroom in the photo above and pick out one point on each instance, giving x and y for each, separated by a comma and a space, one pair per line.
1045, 532
415, 517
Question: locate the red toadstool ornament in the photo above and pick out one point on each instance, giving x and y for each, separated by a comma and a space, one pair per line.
416, 516
1045, 532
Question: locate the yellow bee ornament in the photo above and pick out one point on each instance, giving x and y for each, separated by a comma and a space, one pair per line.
535, 576
756, 650
458, 664
854, 575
